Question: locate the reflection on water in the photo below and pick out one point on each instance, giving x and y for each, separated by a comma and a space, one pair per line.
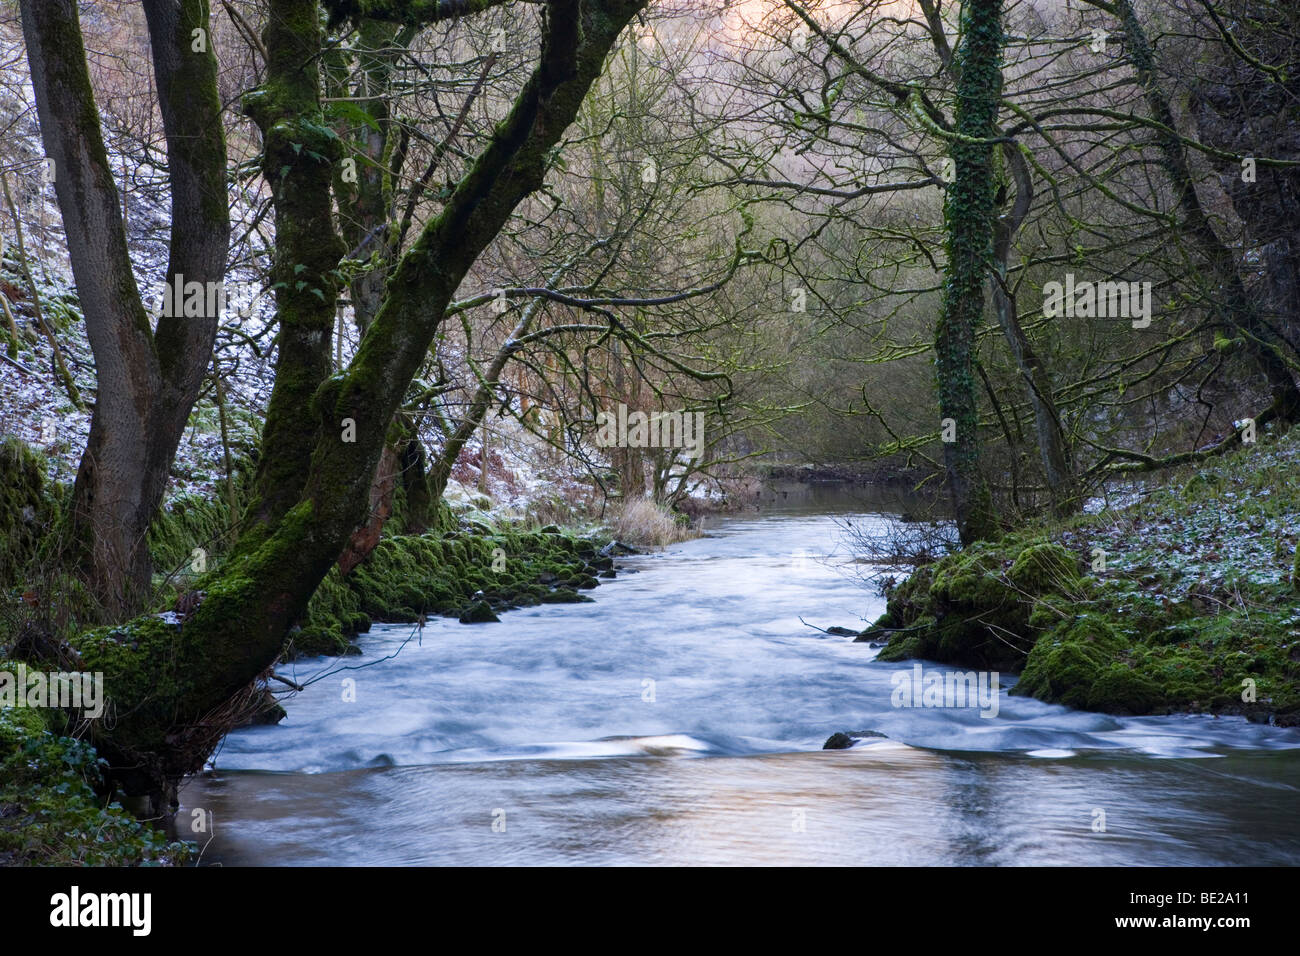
679, 719
887, 804
839, 497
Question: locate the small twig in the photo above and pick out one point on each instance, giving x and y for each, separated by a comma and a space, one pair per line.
813, 626
248, 33
994, 628
899, 630
285, 681
16, 364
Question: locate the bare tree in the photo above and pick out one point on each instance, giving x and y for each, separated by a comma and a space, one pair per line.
148, 378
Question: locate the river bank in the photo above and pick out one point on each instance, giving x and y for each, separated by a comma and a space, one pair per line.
1186, 601
55, 807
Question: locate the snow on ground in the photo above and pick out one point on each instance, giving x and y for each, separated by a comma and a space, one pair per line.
33, 403
34, 407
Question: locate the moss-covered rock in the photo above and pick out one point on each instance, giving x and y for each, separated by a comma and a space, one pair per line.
472, 573
962, 609
1043, 568
971, 579
1067, 660
564, 596
1119, 689
480, 612
334, 616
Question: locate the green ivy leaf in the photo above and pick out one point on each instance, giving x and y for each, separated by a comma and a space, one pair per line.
354, 114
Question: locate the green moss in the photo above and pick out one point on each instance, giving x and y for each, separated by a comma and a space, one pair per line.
53, 811
480, 612
1121, 690
334, 616
1067, 660
961, 610
139, 664
564, 596
409, 576
971, 579
1092, 663
29, 509
1043, 568
317, 640
908, 646
1193, 602
186, 523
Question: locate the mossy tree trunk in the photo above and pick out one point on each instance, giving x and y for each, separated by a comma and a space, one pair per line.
1053, 448
299, 158
239, 629
968, 217
415, 483
148, 378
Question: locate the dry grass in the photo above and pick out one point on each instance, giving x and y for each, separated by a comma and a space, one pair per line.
643, 523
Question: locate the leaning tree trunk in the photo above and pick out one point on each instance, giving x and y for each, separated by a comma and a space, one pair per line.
168, 727
968, 216
1054, 451
148, 379
481, 403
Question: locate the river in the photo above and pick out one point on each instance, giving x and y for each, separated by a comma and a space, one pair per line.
679, 719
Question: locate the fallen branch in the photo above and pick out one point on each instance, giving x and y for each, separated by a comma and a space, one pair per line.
16, 364
285, 681
834, 630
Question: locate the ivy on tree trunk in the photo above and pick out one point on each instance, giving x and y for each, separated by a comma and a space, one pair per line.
968, 217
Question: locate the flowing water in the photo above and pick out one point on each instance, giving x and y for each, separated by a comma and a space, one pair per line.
679, 719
